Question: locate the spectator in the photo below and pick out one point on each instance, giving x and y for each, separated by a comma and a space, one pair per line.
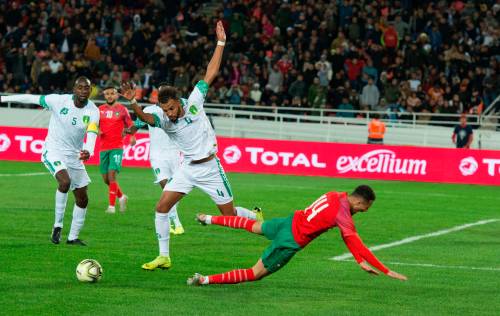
275, 81
462, 134
370, 95
346, 105
234, 94
298, 87
255, 94
92, 51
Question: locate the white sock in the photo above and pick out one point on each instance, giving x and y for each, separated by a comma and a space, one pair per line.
204, 280
61, 199
172, 215
77, 222
162, 226
208, 219
243, 212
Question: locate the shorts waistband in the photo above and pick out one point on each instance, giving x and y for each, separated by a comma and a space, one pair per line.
196, 162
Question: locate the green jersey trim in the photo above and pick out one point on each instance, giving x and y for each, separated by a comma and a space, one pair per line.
157, 121
203, 87
43, 103
138, 123
224, 178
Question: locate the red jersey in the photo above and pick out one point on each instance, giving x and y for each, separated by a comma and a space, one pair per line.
113, 119
330, 210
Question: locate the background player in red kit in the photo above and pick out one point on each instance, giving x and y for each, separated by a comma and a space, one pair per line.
291, 234
114, 117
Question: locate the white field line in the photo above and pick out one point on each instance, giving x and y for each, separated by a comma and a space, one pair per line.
430, 265
418, 237
23, 174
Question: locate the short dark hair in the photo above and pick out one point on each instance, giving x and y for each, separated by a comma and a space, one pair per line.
82, 78
109, 87
166, 93
365, 192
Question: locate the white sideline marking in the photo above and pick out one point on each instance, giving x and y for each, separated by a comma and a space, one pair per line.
430, 265
418, 237
23, 174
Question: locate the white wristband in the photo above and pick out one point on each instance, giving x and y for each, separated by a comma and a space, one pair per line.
221, 43
133, 101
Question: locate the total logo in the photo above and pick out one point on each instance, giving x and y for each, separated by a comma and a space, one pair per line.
4, 142
468, 166
259, 155
232, 154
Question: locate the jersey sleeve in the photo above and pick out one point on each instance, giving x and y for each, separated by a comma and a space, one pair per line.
50, 101
360, 252
197, 97
139, 124
157, 113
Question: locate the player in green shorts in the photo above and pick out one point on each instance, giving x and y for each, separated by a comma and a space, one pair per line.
291, 234
114, 118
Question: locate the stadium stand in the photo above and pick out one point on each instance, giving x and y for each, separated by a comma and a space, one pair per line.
400, 57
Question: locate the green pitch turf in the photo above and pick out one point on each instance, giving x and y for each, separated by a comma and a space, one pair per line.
462, 276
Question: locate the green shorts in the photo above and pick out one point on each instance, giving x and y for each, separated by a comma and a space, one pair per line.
110, 160
283, 247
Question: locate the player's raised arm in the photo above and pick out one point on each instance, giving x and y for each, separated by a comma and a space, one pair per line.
24, 98
128, 93
361, 254
214, 64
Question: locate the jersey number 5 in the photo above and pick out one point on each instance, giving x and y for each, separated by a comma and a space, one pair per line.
318, 205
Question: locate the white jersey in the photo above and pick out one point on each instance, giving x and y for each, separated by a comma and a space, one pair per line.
68, 124
192, 133
160, 145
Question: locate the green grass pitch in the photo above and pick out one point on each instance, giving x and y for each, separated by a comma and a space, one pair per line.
38, 278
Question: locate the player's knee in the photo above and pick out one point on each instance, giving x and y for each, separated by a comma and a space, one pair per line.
162, 208
82, 201
64, 185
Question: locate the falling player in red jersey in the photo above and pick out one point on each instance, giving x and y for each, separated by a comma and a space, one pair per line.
291, 234
114, 117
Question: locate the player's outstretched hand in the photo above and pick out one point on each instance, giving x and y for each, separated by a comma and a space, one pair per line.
84, 155
368, 269
219, 30
127, 90
397, 276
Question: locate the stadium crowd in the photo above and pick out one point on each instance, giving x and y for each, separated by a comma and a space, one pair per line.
395, 56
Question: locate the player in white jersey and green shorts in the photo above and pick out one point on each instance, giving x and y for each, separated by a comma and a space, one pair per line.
187, 125
165, 158
72, 117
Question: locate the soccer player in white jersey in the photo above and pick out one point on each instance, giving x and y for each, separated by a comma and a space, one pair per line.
73, 116
165, 158
187, 125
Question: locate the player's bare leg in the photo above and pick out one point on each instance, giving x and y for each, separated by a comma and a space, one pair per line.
167, 200
63, 182
257, 272
229, 209
114, 192
79, 212
176, 228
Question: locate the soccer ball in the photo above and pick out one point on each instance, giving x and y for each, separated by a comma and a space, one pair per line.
89, 270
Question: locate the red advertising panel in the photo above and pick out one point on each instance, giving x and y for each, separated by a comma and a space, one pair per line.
405, 163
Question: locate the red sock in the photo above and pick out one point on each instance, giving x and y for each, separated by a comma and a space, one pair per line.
234, 222
112, 193
119, 192
231, 277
